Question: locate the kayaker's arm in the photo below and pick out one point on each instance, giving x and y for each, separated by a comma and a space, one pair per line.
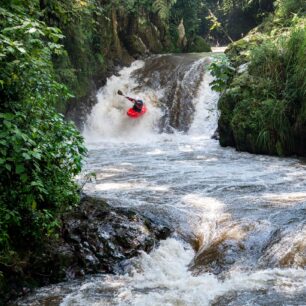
131, 99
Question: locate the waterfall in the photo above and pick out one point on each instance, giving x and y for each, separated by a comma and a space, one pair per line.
177, 95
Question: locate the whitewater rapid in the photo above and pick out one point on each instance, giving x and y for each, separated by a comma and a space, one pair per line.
108, 120
238, 219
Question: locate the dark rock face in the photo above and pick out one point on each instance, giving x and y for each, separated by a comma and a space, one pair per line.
77, 109
122, 38
100, 237
95, 238
182, 74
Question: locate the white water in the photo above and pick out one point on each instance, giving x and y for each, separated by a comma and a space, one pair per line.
108, 119
246, 212
164, 279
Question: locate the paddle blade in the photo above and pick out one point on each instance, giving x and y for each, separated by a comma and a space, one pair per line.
120, 93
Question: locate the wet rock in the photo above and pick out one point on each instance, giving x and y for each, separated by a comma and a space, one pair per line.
218, 257
101, 236
183, 75
182, 40
216, 135
95, 238
136, 45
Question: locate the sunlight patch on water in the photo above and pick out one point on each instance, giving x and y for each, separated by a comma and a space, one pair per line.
156, 152
210, 205
286, 198
129, 186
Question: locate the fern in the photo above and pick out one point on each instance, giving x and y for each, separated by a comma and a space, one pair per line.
163, 7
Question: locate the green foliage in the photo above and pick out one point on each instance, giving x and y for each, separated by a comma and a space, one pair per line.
223, 72
162, 7
25, 56
189, 11
287, 8
40, 153
269, 110
88, 39
229, 20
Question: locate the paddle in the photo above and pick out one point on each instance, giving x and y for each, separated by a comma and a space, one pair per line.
120, 93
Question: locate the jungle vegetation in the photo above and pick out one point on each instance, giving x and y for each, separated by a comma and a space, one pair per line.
52, 50
264, 100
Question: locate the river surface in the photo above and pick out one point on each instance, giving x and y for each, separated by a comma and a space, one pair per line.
239, 219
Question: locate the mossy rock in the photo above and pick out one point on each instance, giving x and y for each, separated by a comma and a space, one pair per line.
136, 46
198, 45
150, 36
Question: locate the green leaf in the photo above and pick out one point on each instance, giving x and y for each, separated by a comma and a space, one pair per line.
22, 50
7, 116
32, 30
24, 178
34, 205
20, 169
26, 156
36, 155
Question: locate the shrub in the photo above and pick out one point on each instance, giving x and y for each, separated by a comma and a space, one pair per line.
40, 153
223, 72
286, 8
268, 115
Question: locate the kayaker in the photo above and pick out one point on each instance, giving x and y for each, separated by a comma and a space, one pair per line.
138, 103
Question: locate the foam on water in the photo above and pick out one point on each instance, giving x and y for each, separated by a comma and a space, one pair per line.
163, 278
108, 120
206, 115
166, 280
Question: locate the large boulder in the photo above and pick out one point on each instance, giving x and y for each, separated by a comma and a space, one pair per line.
94, 238
101, 237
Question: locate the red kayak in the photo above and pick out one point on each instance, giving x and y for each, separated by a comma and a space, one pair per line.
133, 114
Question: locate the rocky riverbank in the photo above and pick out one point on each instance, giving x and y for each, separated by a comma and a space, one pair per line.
95, 238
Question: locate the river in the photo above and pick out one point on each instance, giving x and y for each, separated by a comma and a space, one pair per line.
239, 219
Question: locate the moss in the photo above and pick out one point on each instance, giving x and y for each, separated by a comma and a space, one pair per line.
227, 104
150, 35
135, 45
198, 44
